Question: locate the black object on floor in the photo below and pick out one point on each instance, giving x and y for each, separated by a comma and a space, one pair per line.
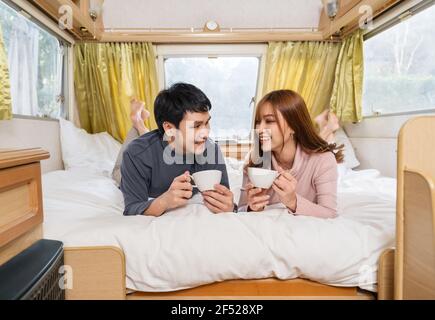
33, 274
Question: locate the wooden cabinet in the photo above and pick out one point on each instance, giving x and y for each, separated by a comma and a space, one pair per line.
21, 211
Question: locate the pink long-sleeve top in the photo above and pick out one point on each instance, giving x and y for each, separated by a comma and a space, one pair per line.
316, 189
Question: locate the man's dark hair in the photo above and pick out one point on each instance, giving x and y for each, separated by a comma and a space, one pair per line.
171, 104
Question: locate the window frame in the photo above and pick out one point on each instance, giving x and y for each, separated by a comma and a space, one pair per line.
40, 19
259, 51
386, 21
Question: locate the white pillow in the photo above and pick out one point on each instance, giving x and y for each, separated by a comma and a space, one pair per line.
350, 159
94, 153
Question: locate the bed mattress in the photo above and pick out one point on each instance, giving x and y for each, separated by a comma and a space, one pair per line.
191, 246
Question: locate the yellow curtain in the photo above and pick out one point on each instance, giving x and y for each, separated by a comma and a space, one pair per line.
305, 67
5, 88
346, 99
106, 77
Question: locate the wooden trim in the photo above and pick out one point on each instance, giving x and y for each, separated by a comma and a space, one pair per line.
348, 18
97, 273
358, 296
83, 5
419, 236
345, 22
81, 19
386, 275
251, 288
414, 152
207, 37
16, 157
352, 27
343, 7
98, 25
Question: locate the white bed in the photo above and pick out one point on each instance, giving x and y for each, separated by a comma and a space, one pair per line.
191, 246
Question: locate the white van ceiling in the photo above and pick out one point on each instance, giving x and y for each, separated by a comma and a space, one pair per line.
187, 14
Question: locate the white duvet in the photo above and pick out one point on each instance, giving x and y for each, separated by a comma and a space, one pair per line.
191, 246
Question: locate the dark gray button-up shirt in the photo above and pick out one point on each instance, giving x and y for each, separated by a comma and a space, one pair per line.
149, 166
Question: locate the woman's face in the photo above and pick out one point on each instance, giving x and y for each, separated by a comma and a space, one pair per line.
268, 129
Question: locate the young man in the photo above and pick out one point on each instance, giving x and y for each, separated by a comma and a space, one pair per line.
156, 166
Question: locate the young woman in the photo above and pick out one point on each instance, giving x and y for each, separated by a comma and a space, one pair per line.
307, 184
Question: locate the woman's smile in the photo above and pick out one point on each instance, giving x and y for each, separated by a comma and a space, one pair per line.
264, 137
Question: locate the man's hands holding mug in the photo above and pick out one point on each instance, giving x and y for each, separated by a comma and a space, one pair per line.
219, 200
178, 193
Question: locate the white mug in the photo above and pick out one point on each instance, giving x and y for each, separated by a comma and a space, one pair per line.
262, 178
206, 179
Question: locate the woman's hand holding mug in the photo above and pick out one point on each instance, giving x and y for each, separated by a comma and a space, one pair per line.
258, 198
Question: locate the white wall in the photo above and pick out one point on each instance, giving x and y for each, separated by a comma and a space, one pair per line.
32, 133
159, 14
375, 142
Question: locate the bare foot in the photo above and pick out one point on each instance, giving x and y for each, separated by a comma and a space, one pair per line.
145, 114
138, 114
138, 111
322, 119
333, 123
328, 123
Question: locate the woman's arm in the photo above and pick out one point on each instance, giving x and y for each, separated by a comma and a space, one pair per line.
324, 180
325, 183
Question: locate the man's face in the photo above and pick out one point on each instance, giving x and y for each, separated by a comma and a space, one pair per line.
193, 132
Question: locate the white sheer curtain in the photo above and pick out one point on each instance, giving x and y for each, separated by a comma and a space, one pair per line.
23, 67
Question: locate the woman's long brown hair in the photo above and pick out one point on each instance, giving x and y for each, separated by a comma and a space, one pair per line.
294, 111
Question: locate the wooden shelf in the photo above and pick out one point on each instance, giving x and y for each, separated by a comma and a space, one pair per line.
348, 15
84, 28
14, 157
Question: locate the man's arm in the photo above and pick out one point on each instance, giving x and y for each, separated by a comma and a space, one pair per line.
177, 195
116, 172
135, 182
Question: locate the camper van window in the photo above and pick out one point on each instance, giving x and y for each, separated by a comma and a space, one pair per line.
229, 82
36, 65
399, 68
